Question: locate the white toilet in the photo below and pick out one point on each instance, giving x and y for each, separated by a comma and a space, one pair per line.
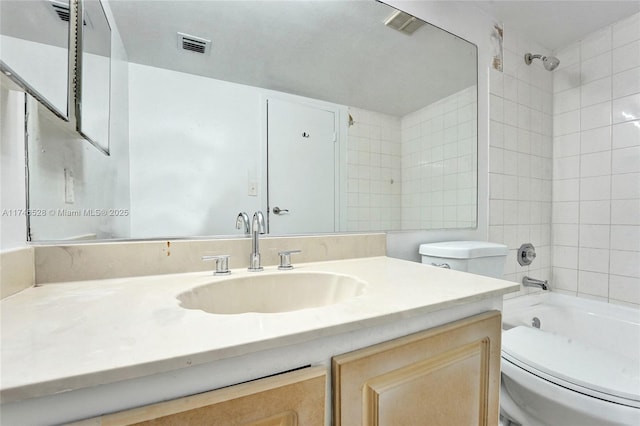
475, 257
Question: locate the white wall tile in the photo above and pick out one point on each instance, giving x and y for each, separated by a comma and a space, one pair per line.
567, 77
569, 55
595, 92
565, 235
626, 83
594, 116
625, 212
626, 160
595, 188
593, 283
624, 289
625, 237
596, 68
626, 31
595, 212
625, 263
626, 57
625, 186
565, 212
596, 164
626, 134
568, 122
596, 43
566, 190
594, 236
568, 145
605, 68
593, 260
595, 140
565, 257
626, 109
566, 167
567, 100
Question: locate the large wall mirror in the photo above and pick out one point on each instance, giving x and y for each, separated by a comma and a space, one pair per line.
93, 94
34, 49
329, 116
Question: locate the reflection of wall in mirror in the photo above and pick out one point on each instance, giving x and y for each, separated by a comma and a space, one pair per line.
52, 150
99, 181
414, 172
43, 66
439, 167
374, 186
195, 144
95, 97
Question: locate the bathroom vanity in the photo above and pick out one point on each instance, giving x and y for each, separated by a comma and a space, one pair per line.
414, 336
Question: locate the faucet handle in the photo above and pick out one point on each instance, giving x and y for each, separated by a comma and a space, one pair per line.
222, 263
285, 259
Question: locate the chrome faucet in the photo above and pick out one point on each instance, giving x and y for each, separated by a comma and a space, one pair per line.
242, 222
257, 228
532, 282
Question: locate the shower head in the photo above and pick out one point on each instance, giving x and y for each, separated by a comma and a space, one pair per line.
550, 62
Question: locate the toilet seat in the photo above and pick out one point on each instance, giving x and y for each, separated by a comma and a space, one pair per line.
573, 365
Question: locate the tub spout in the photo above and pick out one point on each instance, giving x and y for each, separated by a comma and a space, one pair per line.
532, 282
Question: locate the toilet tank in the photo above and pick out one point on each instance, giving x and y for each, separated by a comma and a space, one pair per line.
476, 257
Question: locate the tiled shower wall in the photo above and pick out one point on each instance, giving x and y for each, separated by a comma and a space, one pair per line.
520, 157
596, 173
439, 166
373, 172
413, 172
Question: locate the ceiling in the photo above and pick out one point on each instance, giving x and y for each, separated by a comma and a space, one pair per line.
340, 45
336, 51
557, 24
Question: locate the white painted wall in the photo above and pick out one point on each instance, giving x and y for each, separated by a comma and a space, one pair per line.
13, 223
596, 173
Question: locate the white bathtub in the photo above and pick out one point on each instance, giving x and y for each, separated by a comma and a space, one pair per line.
580, 367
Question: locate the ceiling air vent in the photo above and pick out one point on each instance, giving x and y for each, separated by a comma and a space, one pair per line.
193, 44
403, 22
61, 9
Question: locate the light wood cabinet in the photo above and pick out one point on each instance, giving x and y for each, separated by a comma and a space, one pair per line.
289, 399
449, 375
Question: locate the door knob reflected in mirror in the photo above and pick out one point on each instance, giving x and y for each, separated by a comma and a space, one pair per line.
278, 210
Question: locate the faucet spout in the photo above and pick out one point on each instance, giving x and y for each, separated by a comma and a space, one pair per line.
257, 228
533, 282
242, 222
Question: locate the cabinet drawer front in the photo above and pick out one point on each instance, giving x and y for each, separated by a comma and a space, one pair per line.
446, 375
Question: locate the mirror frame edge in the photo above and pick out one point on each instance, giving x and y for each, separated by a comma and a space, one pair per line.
77, 73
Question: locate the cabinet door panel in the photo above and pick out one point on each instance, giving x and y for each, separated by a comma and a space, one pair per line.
289, 399
447, 375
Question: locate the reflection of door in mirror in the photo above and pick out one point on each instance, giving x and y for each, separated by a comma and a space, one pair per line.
301, 145
34, 49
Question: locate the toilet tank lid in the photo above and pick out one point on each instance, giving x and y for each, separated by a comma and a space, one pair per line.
463, 249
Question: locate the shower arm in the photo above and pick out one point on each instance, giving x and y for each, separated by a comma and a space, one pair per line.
528, 58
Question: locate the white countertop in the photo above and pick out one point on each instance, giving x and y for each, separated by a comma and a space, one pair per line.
74, 335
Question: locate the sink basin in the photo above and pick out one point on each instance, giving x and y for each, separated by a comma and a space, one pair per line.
271, 293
